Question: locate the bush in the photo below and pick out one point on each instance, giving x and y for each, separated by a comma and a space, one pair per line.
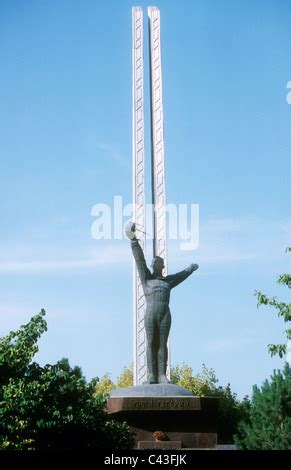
269, 423
51, 407
230, 412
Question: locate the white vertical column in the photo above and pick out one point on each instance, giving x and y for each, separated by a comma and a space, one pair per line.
157, 137
157, 121
139, 334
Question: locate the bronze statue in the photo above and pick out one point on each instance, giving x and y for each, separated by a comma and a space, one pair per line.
158, 316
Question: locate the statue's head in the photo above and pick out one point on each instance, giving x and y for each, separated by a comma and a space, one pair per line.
158, 265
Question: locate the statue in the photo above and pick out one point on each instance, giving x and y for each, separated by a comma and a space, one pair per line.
158, 316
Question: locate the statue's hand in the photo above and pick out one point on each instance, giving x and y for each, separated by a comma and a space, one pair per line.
193, 267
130, 230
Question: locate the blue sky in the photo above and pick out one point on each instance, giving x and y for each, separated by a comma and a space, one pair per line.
65, 145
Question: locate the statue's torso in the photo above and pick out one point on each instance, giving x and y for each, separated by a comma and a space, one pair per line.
157, 291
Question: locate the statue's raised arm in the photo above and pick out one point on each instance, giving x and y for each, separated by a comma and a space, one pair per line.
143, 271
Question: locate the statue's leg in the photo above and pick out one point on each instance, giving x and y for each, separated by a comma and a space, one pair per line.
152, 363
164, 329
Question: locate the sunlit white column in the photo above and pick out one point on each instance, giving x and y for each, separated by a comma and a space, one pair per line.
139, 334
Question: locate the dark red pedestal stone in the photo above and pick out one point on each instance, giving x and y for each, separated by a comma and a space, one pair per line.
190, 421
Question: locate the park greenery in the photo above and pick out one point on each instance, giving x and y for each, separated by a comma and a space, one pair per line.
50, 407
269, 423
283, 310
55, 407
268, 426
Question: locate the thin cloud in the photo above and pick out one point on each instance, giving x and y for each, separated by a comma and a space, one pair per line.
12, 317
227, 344
224, 242
112, 151
98, 257
229, 241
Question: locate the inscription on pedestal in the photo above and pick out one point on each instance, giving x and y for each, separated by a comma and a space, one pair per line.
156, 404
162, 404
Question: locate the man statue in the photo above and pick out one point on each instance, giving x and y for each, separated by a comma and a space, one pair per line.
158, 316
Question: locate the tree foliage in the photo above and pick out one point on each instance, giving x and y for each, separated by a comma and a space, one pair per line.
125, 379
205, 384
269, 424
18, 348
105, 383
283, 310
201, 384
50, 407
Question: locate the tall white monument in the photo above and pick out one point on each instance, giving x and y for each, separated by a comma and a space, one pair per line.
157, 167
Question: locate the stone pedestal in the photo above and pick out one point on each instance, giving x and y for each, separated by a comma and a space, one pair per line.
186, 420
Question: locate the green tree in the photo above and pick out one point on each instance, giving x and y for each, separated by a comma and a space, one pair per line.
105, 383
205, 384
18, 348
126, 378
50, 407
201, 384
269, 424
283, 311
